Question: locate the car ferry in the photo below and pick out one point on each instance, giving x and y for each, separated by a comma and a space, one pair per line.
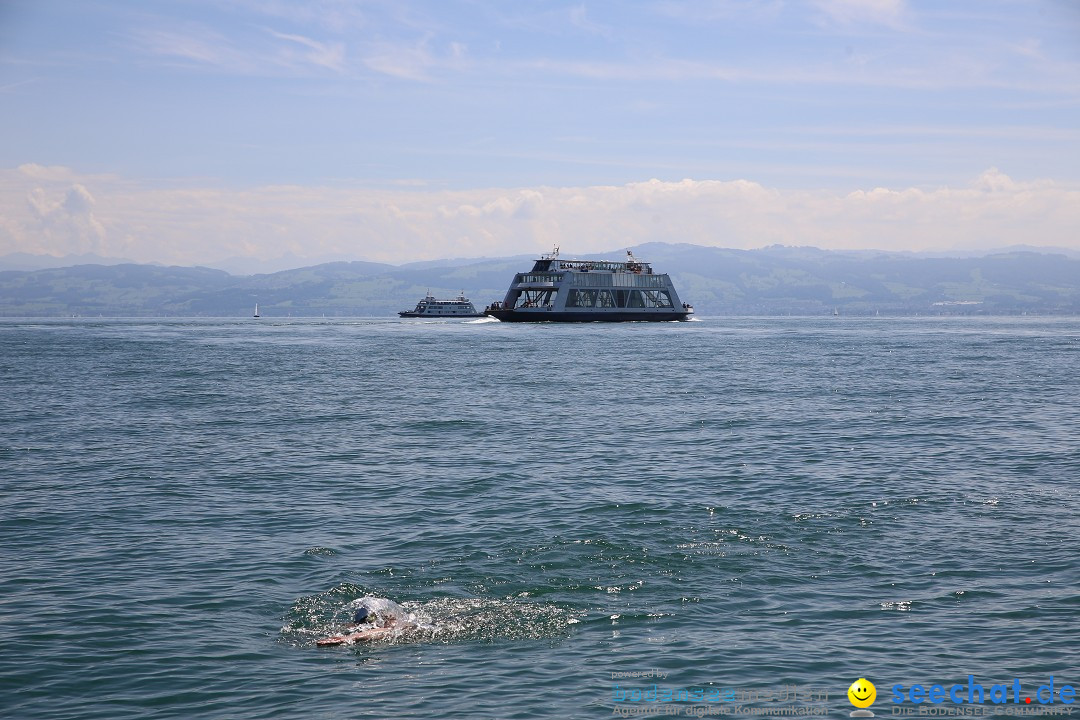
558, 290
429, 307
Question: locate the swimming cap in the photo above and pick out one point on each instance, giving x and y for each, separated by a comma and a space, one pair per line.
363, 614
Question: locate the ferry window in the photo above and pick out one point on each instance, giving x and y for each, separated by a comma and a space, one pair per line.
621, 297
647, 299
534, 298
592, 280
581, 298
604, 298
655, 298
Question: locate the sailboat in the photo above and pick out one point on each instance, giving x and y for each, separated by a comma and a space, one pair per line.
256, 309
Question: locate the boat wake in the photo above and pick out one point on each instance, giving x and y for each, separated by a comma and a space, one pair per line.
441, 620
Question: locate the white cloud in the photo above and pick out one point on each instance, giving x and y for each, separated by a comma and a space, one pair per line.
59, 224
60, 212
415, 60
337, 16
46, 172
993, 180
884, 12
328, 55
940, 69
707, 11
272, 53
579, 19
11, 86
407, 61
196, 45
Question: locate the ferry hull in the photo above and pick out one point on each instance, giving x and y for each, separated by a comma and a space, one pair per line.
405, 314
602, 316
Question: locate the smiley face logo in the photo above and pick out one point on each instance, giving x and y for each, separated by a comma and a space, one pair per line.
862, 693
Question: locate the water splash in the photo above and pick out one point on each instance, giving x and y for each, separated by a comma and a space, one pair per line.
439, 620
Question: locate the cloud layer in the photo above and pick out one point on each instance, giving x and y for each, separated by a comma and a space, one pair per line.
57, 211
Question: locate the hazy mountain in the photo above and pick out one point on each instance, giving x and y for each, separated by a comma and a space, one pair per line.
114, 290
458, 262
260, 266
1045, 250
29, 261
769, 281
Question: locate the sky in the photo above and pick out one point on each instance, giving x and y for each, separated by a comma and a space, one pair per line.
244, 132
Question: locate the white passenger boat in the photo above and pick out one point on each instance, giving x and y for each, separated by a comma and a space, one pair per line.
430, 307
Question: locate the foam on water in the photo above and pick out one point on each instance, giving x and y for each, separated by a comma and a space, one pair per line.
437, 620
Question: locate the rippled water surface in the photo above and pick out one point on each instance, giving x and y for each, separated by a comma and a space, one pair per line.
185, 506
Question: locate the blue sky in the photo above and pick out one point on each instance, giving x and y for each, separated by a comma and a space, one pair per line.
194, 131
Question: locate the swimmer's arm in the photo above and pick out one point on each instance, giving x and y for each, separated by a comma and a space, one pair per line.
370, 634
367, 635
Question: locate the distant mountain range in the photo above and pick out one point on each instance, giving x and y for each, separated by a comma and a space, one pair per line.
770, 281
30, 261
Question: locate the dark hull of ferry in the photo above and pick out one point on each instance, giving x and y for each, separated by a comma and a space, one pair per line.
603, 316
437, 315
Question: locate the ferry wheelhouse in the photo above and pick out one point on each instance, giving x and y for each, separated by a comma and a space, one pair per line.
558, 290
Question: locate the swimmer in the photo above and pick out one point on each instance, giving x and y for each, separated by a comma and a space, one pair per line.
374, 619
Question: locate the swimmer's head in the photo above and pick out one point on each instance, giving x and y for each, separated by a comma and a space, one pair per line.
363, 615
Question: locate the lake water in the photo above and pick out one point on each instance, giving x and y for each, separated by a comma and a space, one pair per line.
746, 506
